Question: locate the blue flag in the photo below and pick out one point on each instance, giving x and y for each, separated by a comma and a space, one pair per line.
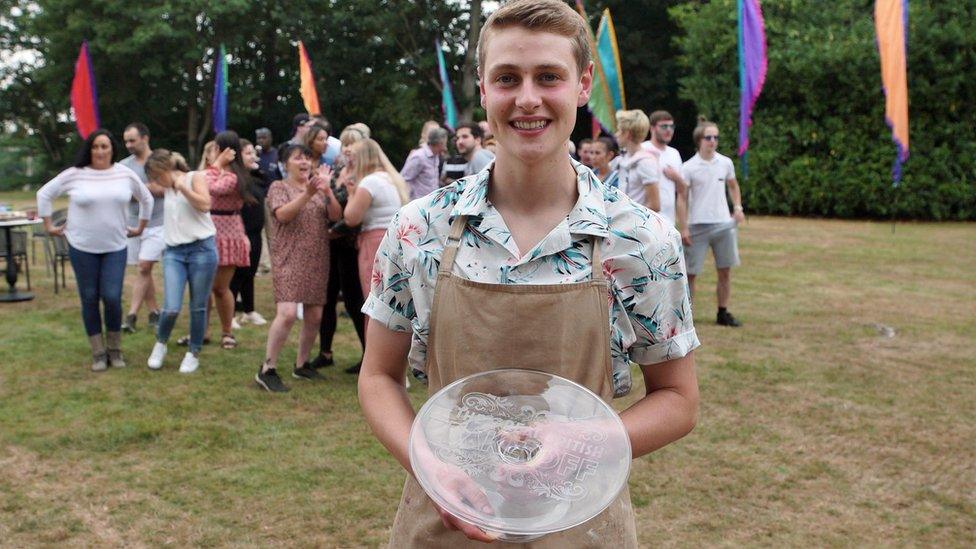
220, 92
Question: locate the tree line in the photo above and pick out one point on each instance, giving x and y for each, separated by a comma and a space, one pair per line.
819, 142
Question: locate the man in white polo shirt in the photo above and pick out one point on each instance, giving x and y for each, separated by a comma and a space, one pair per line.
147, 249
669, 160
709, 223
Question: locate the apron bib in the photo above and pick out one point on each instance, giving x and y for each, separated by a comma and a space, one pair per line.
562, 329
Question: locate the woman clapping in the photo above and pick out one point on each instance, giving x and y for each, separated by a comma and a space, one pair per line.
300, 205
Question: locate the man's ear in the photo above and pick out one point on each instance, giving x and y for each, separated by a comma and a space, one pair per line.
586, 86
481, 88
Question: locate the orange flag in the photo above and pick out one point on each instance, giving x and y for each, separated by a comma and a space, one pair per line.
309, 96
891, 24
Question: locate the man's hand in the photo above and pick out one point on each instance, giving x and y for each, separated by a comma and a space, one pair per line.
462, 491
131, 232
739, 216
686, 237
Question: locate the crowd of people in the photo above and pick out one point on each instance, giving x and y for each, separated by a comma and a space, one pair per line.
324, 204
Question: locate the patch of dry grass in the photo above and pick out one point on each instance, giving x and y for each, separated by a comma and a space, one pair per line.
815, 429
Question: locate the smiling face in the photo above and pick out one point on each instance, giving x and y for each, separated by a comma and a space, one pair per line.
249, 155
101, 153
319, 144
530, 89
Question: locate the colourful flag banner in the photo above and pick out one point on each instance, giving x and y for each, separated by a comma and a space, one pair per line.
891, 26
600, 104
752, 65
448, 106
606, 46
84, 98
220, 92
309, 96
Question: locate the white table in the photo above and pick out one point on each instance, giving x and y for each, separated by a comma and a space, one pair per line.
12, 294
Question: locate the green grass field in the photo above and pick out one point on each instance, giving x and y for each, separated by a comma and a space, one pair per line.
815, 429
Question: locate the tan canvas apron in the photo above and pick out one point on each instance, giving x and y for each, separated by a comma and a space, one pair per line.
562, 329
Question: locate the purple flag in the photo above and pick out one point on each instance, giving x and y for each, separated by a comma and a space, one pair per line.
752, 65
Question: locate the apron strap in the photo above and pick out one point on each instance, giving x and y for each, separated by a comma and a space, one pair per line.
453, 242
596, 263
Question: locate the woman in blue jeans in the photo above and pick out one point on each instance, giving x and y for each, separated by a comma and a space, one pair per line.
99, 191
190, 255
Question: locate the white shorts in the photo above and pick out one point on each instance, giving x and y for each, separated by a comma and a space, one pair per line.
148, 246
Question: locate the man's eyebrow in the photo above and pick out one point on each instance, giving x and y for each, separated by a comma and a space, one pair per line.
513, 67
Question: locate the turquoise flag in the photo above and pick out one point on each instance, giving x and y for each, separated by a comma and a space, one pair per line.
606, 47
447, 98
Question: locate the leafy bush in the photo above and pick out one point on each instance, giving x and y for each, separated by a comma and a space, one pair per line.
819, 144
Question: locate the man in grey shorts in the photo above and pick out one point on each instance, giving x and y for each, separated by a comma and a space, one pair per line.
707, 221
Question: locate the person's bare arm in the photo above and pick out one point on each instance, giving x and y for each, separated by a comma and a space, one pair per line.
197, 193
652, 196
681, 214
381, 392
669, 409
737, 211
359, 201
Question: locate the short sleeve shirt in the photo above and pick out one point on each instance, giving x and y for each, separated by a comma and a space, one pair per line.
670, 158
650, 312
707, 180
385, 201
156, 219
634, 172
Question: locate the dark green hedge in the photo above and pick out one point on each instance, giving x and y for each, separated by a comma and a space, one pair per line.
819, 144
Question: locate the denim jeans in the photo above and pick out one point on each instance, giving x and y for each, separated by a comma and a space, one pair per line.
195, 263
99, 278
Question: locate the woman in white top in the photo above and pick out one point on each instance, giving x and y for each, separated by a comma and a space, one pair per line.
190, 255
376, 192
99, 191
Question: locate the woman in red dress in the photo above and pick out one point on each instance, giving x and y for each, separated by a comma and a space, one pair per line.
230, 188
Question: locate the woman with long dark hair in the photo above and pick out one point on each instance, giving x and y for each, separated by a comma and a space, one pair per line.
343, 265
99, 191
230, 188
242, 285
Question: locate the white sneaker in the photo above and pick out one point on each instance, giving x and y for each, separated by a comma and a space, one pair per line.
155, 361
301, 311
234, 324
255, 318
190, 364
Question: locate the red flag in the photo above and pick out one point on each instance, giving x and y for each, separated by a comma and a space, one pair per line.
84, 100
309, 96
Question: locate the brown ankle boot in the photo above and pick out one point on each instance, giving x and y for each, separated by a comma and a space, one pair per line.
99, 357
113, 342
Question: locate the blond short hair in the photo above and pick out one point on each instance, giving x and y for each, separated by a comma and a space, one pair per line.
633, 123
553, 16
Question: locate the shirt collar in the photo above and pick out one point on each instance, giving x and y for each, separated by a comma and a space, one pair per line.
588, 216
427, 152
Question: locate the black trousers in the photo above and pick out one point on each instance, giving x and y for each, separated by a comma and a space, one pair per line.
242, 285
343, 275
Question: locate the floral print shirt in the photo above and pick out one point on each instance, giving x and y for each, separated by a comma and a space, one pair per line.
650, 312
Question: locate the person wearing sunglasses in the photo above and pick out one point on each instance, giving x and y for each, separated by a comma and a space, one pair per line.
669, 160
707, 222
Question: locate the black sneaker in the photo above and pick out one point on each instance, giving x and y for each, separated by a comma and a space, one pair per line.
129, 326
320, 362
725, 318
154, 318
306, 372
270, 381
354, 369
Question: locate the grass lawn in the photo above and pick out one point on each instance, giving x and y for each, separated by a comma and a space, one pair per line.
815, 428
